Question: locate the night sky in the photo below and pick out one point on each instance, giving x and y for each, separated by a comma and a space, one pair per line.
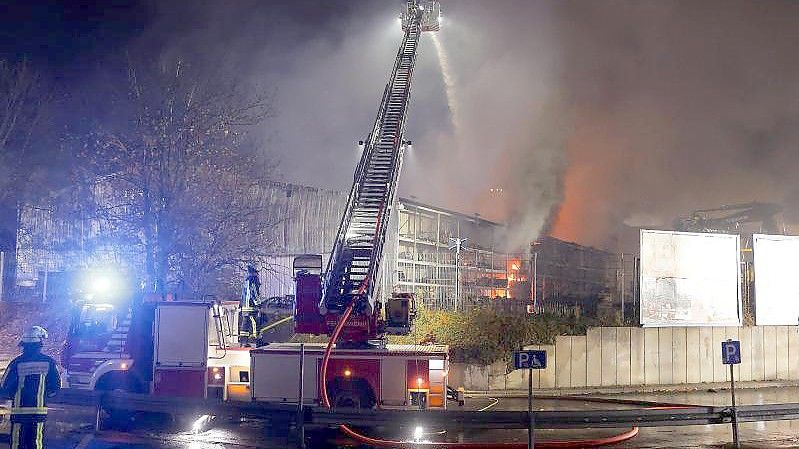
592, 116
65, 37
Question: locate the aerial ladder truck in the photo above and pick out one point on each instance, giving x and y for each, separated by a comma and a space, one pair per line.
343, 301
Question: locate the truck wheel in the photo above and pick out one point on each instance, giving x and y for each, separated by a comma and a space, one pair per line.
355, 393
279, 426
348, 399
118, 382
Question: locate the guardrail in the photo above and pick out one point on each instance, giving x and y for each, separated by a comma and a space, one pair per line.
566, 419
454, 419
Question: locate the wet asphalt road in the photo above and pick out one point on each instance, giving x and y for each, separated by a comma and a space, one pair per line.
774, 434
72, 427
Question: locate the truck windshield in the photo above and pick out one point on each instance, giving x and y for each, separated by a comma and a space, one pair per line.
94, 326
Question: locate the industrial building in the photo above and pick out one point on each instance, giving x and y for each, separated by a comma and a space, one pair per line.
571, 277
418, 257
425, 259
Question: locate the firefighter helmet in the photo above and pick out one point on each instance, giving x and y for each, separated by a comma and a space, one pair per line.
35, 334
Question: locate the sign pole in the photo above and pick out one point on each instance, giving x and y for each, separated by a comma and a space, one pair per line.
731, 355
734, 412
530, 360
300, 397
530, 416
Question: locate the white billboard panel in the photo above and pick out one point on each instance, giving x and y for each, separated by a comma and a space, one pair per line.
776, 279
690, 279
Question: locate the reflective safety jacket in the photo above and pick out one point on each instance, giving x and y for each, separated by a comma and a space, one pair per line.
28, 380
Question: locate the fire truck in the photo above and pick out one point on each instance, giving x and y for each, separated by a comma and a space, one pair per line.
189, 349
343, 301
363, 371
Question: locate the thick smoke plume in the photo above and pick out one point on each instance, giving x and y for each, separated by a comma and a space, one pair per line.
504, 158
677, 106
492, 119
585, 118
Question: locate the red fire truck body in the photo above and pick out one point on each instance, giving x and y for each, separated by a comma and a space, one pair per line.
176, 349
394, 376
159, 347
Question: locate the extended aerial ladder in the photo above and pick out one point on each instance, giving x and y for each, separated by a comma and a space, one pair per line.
355, 259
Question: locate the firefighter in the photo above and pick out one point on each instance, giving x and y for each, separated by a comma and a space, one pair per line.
28, 380
248, 307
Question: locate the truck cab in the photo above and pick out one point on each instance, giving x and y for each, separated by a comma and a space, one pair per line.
97, 354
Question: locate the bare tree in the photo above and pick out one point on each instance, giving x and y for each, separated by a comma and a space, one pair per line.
169, 170
24, 99
20, 110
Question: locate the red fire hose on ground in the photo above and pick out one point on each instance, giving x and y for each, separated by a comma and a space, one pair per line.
377, 442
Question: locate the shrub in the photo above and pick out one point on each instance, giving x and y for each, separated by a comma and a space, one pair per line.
485, 336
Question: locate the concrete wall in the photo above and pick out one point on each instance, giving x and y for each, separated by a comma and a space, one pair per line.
619, 356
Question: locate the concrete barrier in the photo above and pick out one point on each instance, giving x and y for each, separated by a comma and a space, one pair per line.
745, 369
693, 355
593, 352
624, 356
579, 364
651, 362
637, 356
563, 351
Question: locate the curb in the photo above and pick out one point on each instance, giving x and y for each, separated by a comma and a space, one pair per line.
677, 388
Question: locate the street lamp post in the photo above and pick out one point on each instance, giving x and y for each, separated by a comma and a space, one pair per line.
534, 274
457, 244
535, 281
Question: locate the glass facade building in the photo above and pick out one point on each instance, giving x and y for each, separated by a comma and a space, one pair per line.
425, 264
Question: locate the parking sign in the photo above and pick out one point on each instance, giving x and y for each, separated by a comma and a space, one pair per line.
530, 359
730, 352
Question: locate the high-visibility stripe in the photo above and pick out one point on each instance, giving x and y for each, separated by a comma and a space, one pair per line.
39, 435
18, 395
40, 393
15, 427
32, 368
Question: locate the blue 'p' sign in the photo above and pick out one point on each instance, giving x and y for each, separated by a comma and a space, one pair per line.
730, 352
534, 359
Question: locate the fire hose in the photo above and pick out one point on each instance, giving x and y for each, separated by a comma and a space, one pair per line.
377, 442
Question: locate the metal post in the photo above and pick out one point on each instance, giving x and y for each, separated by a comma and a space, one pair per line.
636, 288
300, 398
535, 281
2, 275
530, 415
457, 276
44, 285
622, 289
734, 413
457, 244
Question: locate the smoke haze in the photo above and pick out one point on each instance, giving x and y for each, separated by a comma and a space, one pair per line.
584, 117
678, 106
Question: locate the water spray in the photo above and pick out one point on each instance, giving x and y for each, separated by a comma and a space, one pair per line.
449, 83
